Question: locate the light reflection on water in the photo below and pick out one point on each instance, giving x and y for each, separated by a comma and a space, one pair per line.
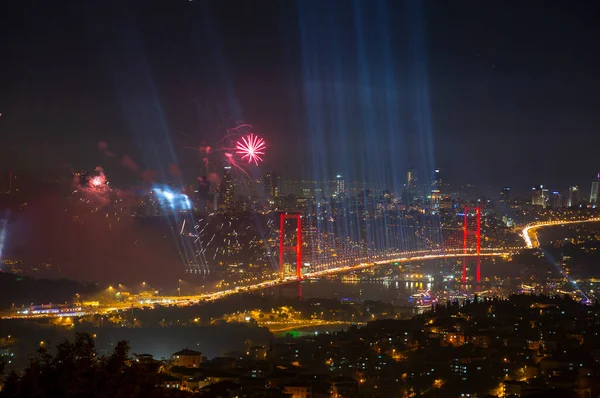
394, 292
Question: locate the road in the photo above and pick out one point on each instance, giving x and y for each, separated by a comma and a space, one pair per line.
137, 302
529, 232
279, 327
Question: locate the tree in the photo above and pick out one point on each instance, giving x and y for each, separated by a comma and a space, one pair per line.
76, 370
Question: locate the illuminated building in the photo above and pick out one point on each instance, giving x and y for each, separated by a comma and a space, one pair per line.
539, 196
504, 202
573, 200
340, 185
276, 184
412, 187
268, 185
556, 200
436, 186
187, 358
227, 189
203, 192
272, 184
595, 190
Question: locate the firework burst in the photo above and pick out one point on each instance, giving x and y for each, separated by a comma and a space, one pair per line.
97, 181
251, 148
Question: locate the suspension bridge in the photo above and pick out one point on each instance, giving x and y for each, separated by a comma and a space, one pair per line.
463, 243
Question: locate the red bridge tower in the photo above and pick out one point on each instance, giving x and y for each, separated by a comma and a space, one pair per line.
470, 232
297, 248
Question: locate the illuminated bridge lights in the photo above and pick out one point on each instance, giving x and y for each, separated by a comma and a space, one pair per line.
529, 229
190, 300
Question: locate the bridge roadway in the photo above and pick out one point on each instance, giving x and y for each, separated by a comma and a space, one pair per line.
138, 302
529, 232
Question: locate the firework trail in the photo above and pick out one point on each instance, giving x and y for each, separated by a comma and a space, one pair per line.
233, 145
199, 264
231, 160
233, 133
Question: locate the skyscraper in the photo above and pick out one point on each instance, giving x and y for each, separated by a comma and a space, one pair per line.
595, 190
436, 190
504, 202
203, 192
557, 200
539, 196
276, 184
573, 200
227, 188
268, 185
340, 185
412, 187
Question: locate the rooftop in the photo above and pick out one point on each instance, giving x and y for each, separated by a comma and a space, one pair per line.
188, 352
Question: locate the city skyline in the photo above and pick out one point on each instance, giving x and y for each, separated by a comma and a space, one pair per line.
443, 108
299, 198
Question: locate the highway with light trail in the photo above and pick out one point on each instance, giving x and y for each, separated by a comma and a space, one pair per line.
529, 232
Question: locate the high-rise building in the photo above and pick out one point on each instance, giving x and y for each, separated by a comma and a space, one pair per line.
340, 185
412, 187
268, 185
595, 190
276, 184
203, 192
539, 196
504, 201
436, 190
557, 200
227, 188
573, 200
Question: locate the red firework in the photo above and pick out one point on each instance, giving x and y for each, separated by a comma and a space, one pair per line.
97, 181
251, 148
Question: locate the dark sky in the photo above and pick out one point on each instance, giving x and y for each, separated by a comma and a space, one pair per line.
501, 93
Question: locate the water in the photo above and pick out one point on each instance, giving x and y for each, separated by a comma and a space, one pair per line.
395, 292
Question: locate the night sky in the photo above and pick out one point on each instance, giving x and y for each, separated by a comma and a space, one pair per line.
500, 93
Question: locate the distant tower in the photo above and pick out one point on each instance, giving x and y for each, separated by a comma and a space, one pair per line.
268, 185
227, 189
203, 192
573, 200
468, 231
504, 202
412, 186
436, 190
276, 184
595, 190
557, 200
539, 195
340, 185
